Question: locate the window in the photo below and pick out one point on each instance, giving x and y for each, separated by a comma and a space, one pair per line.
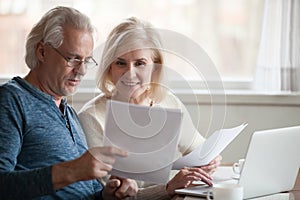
227, 30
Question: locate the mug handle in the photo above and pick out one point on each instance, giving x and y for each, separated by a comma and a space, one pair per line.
209, 195
235, 168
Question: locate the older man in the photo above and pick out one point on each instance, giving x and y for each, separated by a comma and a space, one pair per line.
43, 153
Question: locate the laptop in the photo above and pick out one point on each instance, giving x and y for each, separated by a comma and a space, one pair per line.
271, 165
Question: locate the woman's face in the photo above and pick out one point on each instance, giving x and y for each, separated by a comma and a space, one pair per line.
131, 73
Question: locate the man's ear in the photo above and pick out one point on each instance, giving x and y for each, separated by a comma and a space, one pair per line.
40, 51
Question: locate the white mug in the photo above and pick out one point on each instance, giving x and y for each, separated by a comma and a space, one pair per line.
226, 192
238, 166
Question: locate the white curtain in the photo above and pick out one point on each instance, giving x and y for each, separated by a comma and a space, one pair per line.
278, 63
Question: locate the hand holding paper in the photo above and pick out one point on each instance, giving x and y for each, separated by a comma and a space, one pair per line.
211, 148
150, 135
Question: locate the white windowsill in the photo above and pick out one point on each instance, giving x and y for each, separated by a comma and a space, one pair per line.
240, 95
231, 97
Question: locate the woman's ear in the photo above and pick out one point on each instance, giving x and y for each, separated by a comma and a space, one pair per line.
40, 51
155, 69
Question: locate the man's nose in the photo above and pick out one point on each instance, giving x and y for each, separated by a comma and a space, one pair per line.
81, 69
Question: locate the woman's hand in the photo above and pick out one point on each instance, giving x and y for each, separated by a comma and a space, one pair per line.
119, 188
211, 167
185, 177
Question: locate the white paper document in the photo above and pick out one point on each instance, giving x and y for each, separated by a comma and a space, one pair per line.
211, 148
149, 134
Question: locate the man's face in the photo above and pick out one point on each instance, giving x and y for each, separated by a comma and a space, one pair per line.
58, 79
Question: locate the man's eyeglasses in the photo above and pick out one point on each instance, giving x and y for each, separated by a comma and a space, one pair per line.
74, 62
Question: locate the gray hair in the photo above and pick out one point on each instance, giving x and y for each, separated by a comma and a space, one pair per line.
50, 30
130, 35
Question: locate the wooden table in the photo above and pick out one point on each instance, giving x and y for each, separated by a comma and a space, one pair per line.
292, 195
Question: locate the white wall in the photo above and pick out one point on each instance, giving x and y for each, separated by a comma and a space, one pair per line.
258, 110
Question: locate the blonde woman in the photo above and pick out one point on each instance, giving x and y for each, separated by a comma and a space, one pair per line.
131, 71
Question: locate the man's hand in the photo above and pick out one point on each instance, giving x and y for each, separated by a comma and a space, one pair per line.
94, 163
119, 188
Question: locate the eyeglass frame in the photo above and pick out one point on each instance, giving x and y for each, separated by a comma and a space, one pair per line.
85, 62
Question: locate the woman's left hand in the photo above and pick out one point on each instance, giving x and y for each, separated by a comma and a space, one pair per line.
185, 178
213, 165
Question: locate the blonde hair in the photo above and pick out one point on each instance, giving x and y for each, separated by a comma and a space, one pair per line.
130, 35
50, 30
